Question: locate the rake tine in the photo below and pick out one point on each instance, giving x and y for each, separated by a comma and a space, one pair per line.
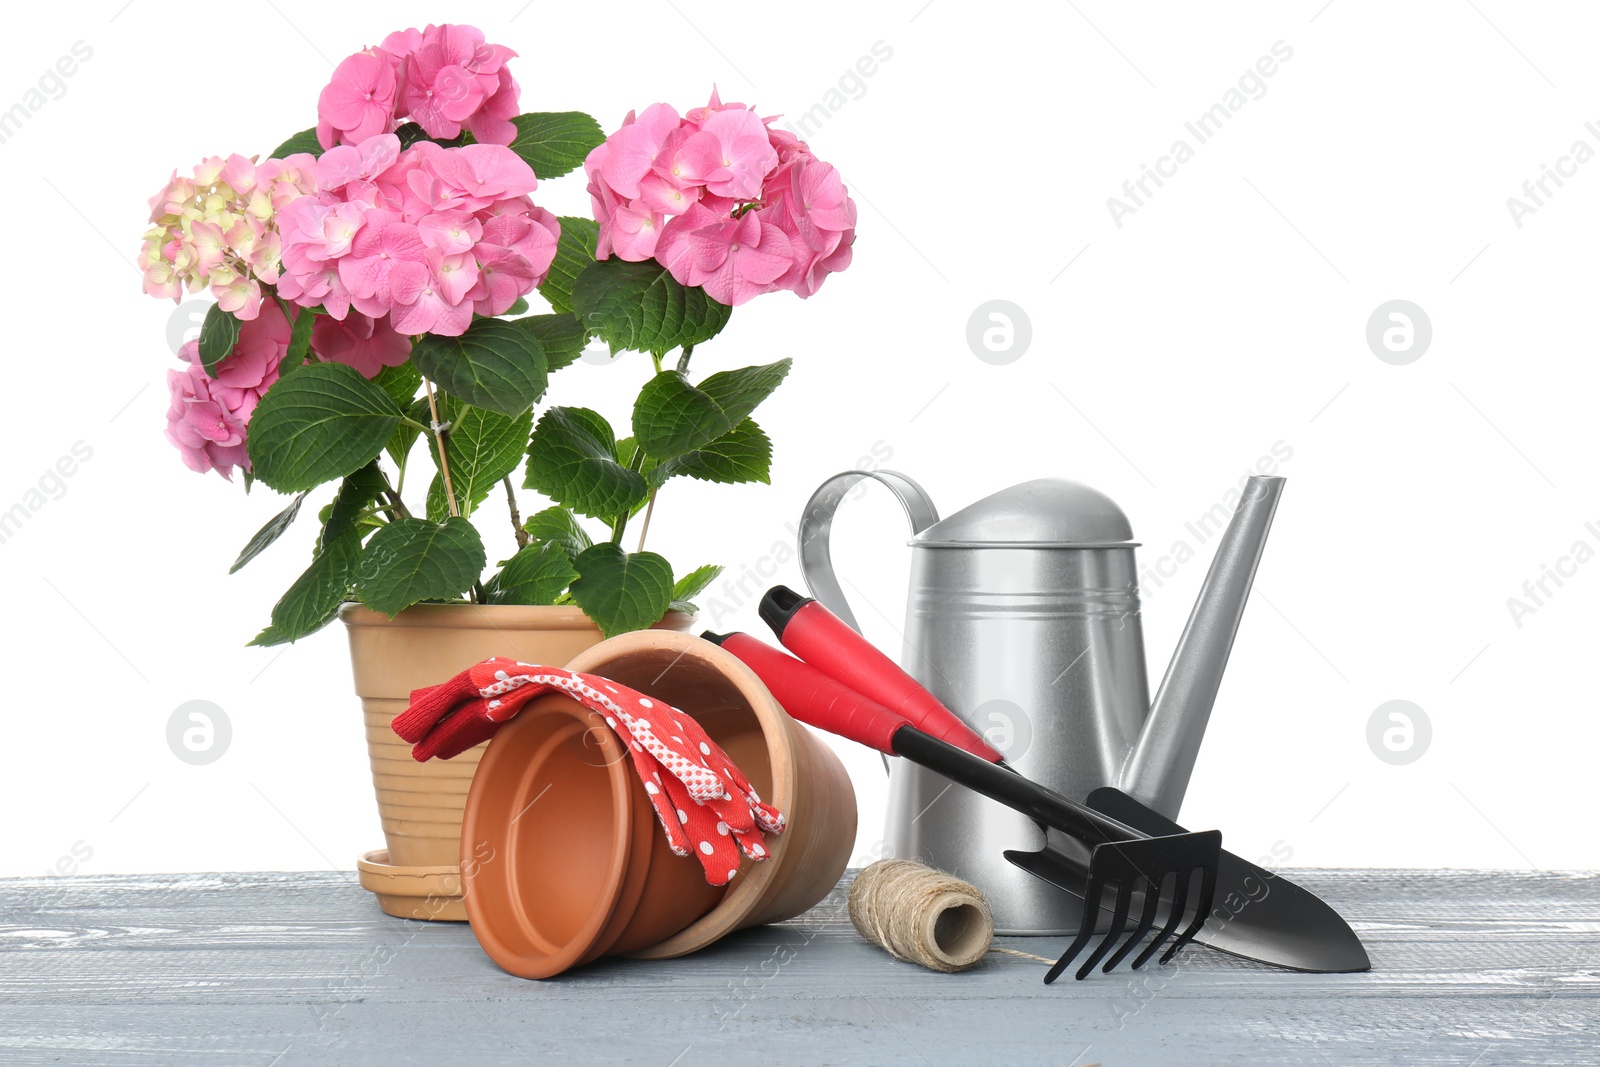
1119, 923
1180, 898
1208, 885
1091, 913
1152, 901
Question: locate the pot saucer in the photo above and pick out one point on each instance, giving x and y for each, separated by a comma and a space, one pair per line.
430, 893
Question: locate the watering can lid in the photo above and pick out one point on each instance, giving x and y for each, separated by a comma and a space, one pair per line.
1043, 511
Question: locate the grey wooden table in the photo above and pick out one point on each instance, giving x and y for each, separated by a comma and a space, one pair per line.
1469, 968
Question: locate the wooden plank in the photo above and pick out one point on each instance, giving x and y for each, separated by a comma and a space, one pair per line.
302, 968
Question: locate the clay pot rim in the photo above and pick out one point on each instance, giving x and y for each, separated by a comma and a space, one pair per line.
465, 616
622, 780
745, 892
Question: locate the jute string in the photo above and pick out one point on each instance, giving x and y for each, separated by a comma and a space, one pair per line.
922, 915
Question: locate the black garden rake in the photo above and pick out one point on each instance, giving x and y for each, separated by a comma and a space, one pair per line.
1171, 879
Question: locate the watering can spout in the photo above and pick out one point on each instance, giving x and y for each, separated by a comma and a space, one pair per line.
1157, 769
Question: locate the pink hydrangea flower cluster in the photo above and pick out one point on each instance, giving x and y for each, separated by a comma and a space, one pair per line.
218, 229
444, 78
207, 417
722, 200
365, 343
428, 236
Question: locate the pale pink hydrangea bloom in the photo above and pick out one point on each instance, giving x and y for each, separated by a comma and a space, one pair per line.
446, 79
208, 415
218, 229
428, 237
722, 200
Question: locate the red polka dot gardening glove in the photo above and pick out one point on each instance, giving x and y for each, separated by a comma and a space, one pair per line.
706, 805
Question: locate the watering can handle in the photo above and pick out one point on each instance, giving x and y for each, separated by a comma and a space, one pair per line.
816, 525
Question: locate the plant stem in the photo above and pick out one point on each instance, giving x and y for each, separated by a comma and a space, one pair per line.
440, 436
649, 510
283, 305
394, 496
683, 360
622, 520
656, 359
516, 516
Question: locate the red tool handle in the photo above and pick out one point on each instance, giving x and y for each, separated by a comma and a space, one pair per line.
812, 697
827, 643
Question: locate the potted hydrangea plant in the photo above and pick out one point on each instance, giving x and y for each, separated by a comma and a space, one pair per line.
374, 347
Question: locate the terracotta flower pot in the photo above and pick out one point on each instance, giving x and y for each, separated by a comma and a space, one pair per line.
420, 803
562, 858
570, 862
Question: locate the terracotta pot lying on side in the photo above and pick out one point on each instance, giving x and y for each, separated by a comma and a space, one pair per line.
420, 803
562, 858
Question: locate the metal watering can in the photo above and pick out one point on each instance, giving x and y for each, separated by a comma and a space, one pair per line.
1023, 618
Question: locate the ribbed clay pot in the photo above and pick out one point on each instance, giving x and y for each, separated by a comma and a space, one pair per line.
563, 859
420, 803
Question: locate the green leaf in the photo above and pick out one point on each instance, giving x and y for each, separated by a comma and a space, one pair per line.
482, 447
538, 574
354, 495
743, 454
219, 332
559, 525
495, 365
410, 133
411, 560
672, 417
628, 453
695, 582
320, 423
299, 342
555, 142
574, 252
405, 435
269, 533
400, 382
315, 597
304, 141
572, 459
519, 306
562, 336
640, 306
628, 456
691, 585
622, 591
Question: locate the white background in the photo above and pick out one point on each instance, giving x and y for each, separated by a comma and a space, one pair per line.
1227, 315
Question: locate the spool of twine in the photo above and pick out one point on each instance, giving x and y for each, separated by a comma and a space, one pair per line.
921, 915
